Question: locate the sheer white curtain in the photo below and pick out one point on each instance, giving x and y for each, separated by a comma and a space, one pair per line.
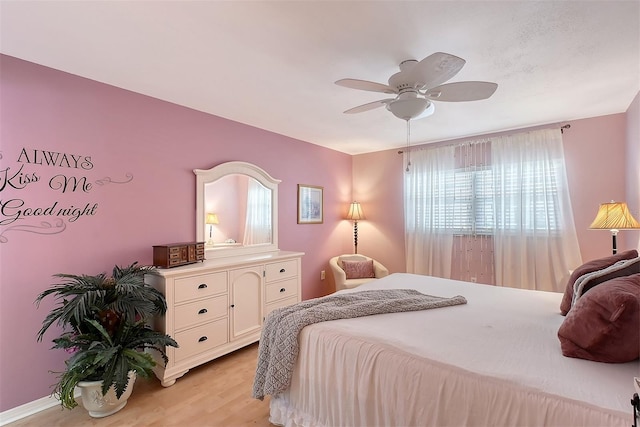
428, 185
535, 241
258, 222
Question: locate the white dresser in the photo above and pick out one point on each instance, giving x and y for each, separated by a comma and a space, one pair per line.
219, 305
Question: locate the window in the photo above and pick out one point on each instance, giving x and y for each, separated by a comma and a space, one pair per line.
471, 201
527, 197
479, 200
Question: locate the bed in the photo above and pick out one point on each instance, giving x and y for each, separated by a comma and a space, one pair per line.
495, 361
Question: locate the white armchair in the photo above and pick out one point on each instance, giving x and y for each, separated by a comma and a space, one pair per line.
340, 276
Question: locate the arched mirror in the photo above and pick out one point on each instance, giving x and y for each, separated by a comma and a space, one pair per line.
236, 209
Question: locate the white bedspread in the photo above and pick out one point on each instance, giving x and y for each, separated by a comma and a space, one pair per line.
494, 361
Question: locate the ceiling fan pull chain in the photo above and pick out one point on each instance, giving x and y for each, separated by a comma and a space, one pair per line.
408, 143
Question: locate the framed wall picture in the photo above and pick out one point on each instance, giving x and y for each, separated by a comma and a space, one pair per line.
310, 204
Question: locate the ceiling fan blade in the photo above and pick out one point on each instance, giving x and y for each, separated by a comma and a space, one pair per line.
435, 69
461, 91
370, 106
366, 85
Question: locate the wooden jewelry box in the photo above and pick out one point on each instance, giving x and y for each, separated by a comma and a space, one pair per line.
176, 254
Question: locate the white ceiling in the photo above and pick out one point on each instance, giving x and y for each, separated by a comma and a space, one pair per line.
273, 64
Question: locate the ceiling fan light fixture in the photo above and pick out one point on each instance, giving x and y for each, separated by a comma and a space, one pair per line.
427, 112
408, 109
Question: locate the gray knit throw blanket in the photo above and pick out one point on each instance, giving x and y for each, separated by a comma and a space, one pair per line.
278, 347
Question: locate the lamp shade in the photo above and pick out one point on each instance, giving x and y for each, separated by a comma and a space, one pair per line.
212, 218
614, 216
355, 212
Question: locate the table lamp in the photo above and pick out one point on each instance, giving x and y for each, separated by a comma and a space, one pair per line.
614, 216
210, 220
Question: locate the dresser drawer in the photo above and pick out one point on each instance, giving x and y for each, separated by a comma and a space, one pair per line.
202, 286
201, 311
281, 270
278, 304
201, 338
280, 290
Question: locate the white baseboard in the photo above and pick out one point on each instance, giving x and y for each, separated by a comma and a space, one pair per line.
30, 408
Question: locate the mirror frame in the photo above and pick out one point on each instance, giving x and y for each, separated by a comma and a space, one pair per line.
206, 176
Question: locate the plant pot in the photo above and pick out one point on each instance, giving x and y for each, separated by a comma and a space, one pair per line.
102, 406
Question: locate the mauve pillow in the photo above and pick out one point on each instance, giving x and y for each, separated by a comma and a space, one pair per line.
344, 258
590, 267
603, 326
358, 269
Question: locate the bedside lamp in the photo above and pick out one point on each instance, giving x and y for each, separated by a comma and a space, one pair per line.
614, 216
211, 219
355, 214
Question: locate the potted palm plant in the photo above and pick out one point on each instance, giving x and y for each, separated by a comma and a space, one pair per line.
105, 326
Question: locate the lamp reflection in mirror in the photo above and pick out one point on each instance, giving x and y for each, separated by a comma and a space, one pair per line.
614, 216
211, 220
355, 214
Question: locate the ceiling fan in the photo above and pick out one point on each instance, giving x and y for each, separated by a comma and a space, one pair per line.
419, 83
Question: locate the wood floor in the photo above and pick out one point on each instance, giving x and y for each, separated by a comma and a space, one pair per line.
215, 394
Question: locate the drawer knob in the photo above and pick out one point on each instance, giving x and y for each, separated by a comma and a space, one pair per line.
282, 270
233, 305
202, 286
283, 290
202, 339
202, 311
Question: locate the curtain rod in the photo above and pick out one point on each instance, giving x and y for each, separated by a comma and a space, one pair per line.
562, 129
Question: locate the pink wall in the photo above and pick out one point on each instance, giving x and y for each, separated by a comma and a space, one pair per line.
596, 159
633, 167
159, 144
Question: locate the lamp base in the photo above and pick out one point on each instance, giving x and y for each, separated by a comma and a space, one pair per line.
614, 233
355, 237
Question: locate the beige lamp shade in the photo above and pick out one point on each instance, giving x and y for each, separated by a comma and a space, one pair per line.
212, 218
355, 212
614, 216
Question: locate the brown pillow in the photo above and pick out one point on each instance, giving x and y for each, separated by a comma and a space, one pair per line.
585, 282
590, 267
603, 324
358, 269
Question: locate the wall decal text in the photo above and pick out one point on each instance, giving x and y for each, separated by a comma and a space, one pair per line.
65, 174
